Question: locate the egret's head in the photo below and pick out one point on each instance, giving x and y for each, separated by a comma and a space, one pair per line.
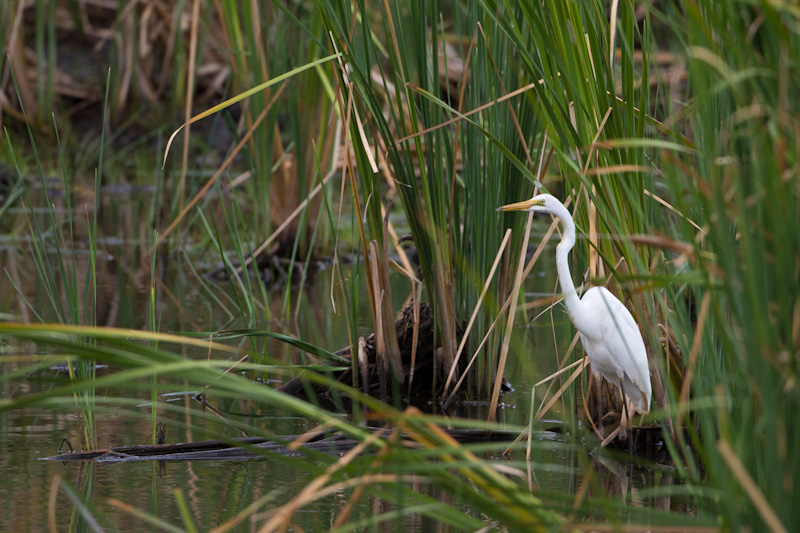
542, 203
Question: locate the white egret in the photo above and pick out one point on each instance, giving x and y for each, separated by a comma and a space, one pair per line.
608, 331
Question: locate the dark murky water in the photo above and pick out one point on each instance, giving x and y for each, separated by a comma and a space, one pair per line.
217, 491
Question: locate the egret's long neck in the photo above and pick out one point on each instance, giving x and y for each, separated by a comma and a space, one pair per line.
571, 299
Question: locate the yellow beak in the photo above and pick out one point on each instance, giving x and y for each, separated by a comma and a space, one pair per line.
519, 206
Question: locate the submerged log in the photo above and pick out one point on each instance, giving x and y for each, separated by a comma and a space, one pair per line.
332, 443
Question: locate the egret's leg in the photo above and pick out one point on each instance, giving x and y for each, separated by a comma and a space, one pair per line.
628, 423
599, 400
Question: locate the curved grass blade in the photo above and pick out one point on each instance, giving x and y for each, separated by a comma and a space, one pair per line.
239, 97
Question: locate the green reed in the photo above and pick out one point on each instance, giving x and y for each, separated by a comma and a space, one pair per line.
72, 292
449, 179
741, 189
477, 491
716, 191
716, 281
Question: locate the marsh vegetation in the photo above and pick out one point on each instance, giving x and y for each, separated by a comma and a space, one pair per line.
338, 164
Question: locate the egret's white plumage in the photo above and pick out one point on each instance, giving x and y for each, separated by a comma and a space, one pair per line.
608, 331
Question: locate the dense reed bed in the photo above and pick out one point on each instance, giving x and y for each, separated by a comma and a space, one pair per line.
670, 130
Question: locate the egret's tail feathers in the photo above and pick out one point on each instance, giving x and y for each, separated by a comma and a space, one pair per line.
640, 398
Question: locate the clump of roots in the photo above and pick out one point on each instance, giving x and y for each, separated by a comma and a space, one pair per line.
421, 384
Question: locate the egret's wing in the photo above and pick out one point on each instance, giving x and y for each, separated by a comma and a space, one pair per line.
624, 341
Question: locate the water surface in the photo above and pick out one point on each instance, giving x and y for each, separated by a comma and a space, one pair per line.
215, 491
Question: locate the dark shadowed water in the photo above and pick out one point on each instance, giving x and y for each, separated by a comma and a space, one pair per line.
215, 491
